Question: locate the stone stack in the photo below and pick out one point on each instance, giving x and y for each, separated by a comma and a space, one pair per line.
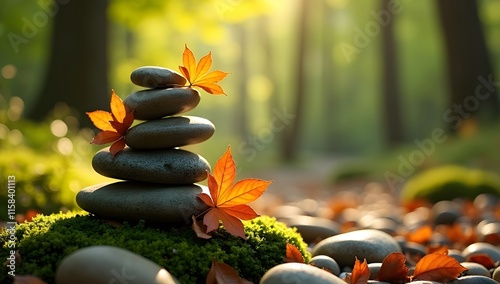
158, 178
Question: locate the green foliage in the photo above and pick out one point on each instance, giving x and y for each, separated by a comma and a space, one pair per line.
478, 151
50, 160
449, 182
45, 241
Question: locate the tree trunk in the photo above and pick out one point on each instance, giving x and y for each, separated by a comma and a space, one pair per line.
241, 114
392, 119
292, 134
330, 106
77, 73
269, 67
471, 91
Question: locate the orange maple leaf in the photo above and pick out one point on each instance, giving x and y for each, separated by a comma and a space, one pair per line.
199, 228
229, 201
483, 259
293, 254
113, 124
421, 235
198, 75
393, 269
437, 267
222, 273
360, 272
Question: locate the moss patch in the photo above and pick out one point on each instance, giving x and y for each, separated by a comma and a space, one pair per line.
45, 241
450, 182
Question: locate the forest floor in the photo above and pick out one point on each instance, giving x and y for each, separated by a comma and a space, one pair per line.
309, 180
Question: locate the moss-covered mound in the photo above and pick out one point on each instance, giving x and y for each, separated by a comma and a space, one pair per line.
45, 241
449, 182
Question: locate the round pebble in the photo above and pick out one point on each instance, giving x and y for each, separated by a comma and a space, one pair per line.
158, 103
370, 244
169, 132
374, 269
298, 273
415, 249
490, 233
486, 201
169, 166
473, 279
496, 274
482, 248
133, 201
313, 229
107, 264
475, 269
156, 77
456, 254
425, 282
446, 212
327, 263
383, 224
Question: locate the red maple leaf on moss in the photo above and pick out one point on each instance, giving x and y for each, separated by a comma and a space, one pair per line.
229, 202
113, 124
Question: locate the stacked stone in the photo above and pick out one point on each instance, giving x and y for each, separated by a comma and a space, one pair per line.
158, 178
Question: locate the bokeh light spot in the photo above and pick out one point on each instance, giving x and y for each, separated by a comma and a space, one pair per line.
9, 71
65, 146
16, 107
4, 131
58, 128
16, 137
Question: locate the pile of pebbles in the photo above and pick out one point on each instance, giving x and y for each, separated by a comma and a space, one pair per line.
372, 224
158, 180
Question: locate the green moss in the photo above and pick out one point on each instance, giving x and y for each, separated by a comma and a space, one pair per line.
449, 182
45, 241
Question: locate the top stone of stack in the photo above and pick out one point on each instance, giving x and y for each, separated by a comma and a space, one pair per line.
156, 77
166, 95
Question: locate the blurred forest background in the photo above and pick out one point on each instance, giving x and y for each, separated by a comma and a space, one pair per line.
335, 79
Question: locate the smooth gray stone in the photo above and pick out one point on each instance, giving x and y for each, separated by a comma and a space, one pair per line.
298, 273
327, 263
132, 201
486, 201
313, 229
384, 224
482, 248
496, 274
489, 231
174, 131
156, 77
371, 244
475, 269
108, 264
446, 212
158, 103
473, 279
456, 254
374, 269
416, 249
169, 166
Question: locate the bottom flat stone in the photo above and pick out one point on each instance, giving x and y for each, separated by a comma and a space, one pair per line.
169, 205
